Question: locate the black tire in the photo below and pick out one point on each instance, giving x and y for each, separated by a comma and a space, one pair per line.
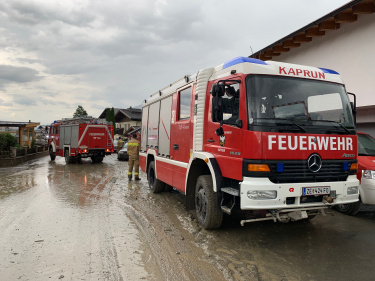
68, 158
52, 154
349, 209
155, 185
168, 188
207, 207
97, 159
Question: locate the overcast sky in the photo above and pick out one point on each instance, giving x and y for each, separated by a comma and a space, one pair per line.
56, 55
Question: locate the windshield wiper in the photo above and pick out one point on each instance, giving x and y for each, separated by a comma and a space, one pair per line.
283, 119
291, 122
335, 122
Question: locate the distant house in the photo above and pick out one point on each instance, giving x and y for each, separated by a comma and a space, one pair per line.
133, 130
125, 119
23, 131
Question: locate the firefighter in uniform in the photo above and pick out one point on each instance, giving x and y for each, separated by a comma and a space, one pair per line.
133, 151
119, 144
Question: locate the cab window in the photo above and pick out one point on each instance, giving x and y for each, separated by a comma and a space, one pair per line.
184, 104
231, 104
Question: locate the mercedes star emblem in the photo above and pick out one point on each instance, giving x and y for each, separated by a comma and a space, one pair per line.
314, 163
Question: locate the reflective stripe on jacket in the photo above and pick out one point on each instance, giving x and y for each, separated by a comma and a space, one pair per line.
133, 147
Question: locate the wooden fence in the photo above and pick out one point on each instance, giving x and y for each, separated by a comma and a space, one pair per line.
16, 156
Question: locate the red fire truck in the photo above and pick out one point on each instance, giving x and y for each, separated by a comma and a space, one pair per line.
262, 139
81, 137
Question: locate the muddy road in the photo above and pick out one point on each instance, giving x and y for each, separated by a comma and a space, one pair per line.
88, 222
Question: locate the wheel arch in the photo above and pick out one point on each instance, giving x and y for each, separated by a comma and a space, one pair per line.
201, 164
150, 157
66, 148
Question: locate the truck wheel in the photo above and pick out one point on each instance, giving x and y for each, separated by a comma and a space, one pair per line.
67, 157
52, 154
156, 186
206, 203
168, 188
78, 159
349, 209
97, 159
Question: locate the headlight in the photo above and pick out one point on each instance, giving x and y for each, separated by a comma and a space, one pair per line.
262, 194
352, 190
368, 174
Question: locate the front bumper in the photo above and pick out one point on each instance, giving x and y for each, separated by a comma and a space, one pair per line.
289, 195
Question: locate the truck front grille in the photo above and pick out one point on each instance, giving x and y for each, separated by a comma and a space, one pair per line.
298, 171
295, 171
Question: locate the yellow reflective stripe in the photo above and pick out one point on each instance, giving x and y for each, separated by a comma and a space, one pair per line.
133, 144
129, 173
136, 174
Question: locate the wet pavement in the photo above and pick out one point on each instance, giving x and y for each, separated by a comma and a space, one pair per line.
88, 222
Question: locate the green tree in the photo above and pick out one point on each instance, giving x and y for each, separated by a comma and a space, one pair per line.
80, 112
113, 118
7, 141
110, 116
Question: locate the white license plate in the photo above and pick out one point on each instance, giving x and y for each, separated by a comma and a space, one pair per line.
321, 190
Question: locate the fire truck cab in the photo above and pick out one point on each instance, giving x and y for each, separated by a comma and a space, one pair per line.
267, 140
81, 137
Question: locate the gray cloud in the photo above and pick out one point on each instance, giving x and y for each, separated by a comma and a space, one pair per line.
2, 103
118, 52
15, 74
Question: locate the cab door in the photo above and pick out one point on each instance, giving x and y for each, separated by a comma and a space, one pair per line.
228, 147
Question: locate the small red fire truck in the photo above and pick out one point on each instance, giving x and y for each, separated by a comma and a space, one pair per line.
262, 139
81, 137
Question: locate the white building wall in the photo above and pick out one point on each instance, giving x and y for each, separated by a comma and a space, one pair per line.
349, 51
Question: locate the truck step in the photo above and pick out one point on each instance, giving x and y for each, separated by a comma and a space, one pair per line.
230, 191
226, 210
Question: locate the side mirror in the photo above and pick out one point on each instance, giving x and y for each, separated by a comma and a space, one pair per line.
239, 123
217, 109
218, 91
219, 131
354, 106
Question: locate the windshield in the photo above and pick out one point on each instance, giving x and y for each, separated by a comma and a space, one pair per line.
366, 145
296, 102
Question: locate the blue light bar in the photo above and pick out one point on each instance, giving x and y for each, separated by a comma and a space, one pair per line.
345, 166
330, 71
280, 167
239, 60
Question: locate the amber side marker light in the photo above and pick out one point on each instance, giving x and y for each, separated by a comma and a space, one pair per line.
354, 166
258, 168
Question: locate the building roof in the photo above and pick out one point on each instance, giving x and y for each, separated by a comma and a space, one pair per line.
132, 113
104, 113
132, 130
18, 124
332, 21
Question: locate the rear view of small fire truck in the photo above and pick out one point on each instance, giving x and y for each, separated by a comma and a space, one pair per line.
82, 137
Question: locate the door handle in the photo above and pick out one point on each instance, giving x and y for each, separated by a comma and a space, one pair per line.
175, 147
211, 140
